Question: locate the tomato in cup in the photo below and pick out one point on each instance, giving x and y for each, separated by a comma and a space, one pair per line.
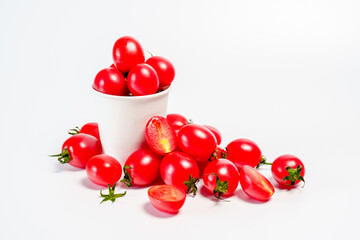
111, 81
142, 80
164, 69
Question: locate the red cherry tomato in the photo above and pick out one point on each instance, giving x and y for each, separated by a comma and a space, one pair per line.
197, 141
164, 69
142, 80
255, 185
216, 133
141, 168
288, 170
177, 121
180, 170
91, 128
111, 81
166, 198
244, 152
127, 52
103, 170
78, 149
160, 136
221, 177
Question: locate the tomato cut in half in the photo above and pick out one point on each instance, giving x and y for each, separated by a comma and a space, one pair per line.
166, 198
255, 185
160, 136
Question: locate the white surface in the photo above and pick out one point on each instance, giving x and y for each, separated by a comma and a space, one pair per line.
282, 73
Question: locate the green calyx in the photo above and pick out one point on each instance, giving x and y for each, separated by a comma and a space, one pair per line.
263, 162
294, 175
127, 180
63, 157
191, 185
74, 131
112, 196
221, 187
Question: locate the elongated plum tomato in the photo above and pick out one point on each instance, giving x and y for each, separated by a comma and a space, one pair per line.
164, 69
255, 185
288, 170
141, 168
180, 170
177, 121
216, 133
78, 149
221, 177
166, 198
243, 152
127, 52
111, 81
142, 80
197, 141
103, 170
160, 136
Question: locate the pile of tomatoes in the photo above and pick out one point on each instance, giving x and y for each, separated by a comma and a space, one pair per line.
180, 153
130, 75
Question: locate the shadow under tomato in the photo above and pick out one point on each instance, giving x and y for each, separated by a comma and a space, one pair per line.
58, 167
89, 184
150, 209
206, 193
242, 195
156, 182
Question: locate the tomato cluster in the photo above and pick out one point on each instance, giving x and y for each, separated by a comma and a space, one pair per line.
130, 74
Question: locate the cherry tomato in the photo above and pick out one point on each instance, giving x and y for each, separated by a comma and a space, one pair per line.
288, 170
255, 185
91, 128
141, 168
103, 170
164, 69
78, 149
111, 81
127, 52
218, 153
221, 177
180, 170
244, 152
197, 141
177, 121
166, 198
142, 80
216, 133
160, 136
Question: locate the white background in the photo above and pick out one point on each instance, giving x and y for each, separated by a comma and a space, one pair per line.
283, 73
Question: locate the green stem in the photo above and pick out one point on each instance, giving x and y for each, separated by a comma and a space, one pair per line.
263, 162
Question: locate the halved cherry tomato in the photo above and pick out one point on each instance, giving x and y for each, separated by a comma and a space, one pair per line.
78, 149
177, 121
141, 168
221, 177
103, 170
160, 136
111, 81
166, 198
142, 80
164, 69
127, 52
244, 152
255, 185
180, 170
91, 128
197, 141
288, 170
216, 133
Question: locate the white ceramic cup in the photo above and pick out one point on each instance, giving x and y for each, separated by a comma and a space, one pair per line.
122, 120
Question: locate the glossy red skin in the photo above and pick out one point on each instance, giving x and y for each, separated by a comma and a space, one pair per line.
244, 152
216, 133
92, 129
279, 172
127, 52
111, 81
103, 170
197, 141
255, 185
176, 167
225, 170
142, 80
177, 121
157, 131
164, 69
82, 147
144, 166
166, 198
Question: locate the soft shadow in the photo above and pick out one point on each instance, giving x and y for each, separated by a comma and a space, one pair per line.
242, 195
281, 187
150, 209
58, 167
156, 182
89, 184
206, 193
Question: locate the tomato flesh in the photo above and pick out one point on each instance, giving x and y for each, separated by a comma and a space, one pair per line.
166, 198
